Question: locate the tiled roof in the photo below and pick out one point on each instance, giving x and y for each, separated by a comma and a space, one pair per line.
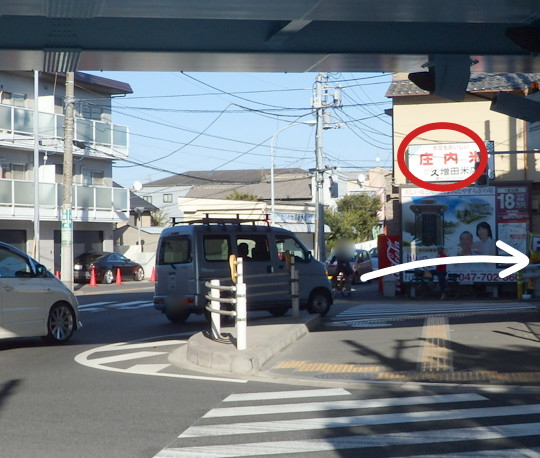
293, 188
479, 82
202, 177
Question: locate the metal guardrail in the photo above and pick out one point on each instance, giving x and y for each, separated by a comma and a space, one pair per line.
240, 303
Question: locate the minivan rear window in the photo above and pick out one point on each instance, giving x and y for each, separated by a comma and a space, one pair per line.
216, 247
175, 250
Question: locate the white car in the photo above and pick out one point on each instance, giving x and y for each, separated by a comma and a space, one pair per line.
33, 302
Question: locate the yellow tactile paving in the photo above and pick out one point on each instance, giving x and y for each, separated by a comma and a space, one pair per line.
304, 366
381, 373
436, 355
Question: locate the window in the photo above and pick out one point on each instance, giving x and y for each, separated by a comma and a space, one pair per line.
12, 265
253, 247
58, 105
167, 198
216, 247
14, 171
293, 246
88, 110
12, 98
97, 178
148, 199
175, 250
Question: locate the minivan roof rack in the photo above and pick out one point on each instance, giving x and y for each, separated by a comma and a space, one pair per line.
207, 220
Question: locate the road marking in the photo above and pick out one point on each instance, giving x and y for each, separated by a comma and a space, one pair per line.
352, 442
436, 354
286, 394
103, 306
147, 369
125, 357
507, 453
355, 421
88, 358
340, 405
426, 308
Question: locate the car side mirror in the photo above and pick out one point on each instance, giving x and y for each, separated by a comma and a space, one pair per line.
41, 270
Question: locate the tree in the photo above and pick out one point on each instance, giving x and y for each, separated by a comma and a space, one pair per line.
159, 218
354, 218
236, 195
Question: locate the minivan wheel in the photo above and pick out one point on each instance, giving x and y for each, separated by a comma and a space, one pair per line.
60, 323
279, 311
319, 302
108, 277
178, 317
139, 274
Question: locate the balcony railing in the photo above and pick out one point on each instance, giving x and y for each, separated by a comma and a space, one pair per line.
20, 121
90, 203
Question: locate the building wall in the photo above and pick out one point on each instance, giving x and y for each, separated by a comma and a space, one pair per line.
507, 133
22, 83
154, 195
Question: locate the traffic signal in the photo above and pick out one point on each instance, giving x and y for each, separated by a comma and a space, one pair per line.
447, 76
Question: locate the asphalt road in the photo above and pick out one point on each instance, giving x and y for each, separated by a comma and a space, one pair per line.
111, 392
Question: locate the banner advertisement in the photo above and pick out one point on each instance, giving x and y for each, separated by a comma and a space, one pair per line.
467, 222
447, 161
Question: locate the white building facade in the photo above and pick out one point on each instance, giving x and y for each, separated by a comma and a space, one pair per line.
97, 204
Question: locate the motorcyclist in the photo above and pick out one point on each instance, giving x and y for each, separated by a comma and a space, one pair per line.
342, 256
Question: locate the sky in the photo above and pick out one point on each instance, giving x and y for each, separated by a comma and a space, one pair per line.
182, 122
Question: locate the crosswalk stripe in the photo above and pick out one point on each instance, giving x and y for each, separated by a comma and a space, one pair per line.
353, 442
391, 309
507, 453
340, 405
119, 305
286, 394
358, 420
94, 304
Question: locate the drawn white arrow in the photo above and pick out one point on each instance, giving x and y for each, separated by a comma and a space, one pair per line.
518, 259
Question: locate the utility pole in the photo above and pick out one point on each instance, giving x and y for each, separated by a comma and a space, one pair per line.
320, 104
36, 252
66, 253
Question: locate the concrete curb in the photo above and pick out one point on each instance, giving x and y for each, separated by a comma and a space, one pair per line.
224, 357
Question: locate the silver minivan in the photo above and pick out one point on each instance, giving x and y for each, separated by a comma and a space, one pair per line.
188, 256
33, 302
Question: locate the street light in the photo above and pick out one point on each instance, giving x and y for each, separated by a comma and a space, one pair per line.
272, 184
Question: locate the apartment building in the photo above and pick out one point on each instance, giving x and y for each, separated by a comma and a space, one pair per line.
97, 205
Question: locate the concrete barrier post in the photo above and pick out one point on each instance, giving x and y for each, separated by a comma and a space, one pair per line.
215, 304
295, 293
241, 308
